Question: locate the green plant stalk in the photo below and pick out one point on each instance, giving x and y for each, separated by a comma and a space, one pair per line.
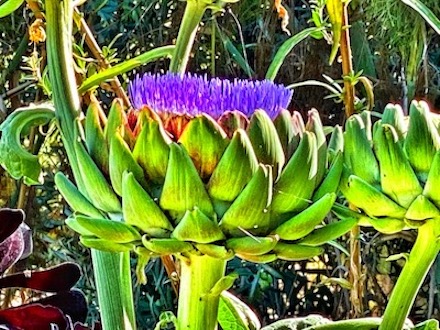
417, 265
198, 307
109, 278
187, 32
117, 310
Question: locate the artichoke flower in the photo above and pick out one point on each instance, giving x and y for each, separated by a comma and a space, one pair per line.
207, 167
392, 175
205, 170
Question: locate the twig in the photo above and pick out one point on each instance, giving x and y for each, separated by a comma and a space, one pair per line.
102, 61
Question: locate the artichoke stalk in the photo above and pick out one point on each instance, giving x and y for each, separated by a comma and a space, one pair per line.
392, 175
205, 169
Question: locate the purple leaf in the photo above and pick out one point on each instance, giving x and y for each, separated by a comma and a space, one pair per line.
11, 250
72, 303
33, 316
58, 278
10, 220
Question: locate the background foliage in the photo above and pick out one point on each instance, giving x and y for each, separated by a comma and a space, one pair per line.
241, 41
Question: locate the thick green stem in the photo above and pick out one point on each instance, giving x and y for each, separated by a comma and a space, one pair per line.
197, 307
115, 298
187, 32
422, 255
112, 270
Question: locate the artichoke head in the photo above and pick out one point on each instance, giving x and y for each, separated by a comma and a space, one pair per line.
255, 184
392, 170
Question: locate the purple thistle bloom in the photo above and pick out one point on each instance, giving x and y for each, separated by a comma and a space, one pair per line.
193, 95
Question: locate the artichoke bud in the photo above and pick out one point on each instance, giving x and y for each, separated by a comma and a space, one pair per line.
407, 152
216, 168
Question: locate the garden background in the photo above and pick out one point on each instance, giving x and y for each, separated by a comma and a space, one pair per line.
396, 55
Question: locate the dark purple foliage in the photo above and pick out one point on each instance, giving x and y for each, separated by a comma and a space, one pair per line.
66, 307
192, 95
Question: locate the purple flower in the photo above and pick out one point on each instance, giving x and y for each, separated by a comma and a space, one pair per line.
191, 95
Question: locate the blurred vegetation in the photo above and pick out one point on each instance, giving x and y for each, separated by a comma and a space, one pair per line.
391, 44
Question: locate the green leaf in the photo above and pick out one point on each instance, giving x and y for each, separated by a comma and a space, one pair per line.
225, 283
9, 7
234, 314
236, 56
285, 49
151, 55
335, 9
13, 157
166, 319
425, 12
427, 325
